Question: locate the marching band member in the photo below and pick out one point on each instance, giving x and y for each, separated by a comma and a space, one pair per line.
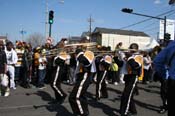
59, 62
134, 67
103, 66
77, 98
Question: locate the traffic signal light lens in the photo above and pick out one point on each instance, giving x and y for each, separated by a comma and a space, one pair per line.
51, 16
50, 21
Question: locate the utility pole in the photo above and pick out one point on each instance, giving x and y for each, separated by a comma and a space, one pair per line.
46, 20
164, 32
90, 20
22, 33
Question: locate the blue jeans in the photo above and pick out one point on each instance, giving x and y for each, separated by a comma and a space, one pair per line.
41, 76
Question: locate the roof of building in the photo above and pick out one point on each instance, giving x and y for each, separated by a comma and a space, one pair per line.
84, 34
75, 38
3, 37
120, 32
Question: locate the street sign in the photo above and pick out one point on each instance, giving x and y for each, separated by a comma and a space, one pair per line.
49, 40
170, 28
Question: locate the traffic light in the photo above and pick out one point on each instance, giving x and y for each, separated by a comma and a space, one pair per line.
167, 36
51, 16
127, 10
171, 2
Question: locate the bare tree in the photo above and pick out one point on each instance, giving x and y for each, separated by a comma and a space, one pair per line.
35, 39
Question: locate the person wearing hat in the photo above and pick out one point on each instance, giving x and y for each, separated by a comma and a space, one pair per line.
134, 68
41, 69
36, 56
58, 64
104, 64
19, 65
77, 97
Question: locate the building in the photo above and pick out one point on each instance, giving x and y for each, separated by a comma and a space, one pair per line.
3, 38
111, 37
77, 39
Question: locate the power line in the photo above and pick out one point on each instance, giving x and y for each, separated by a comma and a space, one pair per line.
146, 26
147, 19
151, 25
151, 29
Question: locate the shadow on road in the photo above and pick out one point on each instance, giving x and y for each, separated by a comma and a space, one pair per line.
147, 106
150, 90
52, 106
105, 108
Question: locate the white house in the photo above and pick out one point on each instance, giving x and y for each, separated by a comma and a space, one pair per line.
111, 37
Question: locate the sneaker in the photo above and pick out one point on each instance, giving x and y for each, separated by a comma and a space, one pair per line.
162, 110
106, 82
14, 88
122, 82
7, 93
115, 83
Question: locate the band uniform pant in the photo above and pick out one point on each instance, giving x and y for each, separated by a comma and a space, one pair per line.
127, 102
101, 90
77, 98
56, 84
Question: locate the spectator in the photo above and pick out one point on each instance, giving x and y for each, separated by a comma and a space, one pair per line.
4, 89
164, 59
41, 69
11, 61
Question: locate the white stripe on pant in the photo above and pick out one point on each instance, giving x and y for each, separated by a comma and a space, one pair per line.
79, 93
55, 80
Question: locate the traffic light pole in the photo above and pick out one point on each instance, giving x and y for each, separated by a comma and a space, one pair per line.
130, 11
164, 32
50, 29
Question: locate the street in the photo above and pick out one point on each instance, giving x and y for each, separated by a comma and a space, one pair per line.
37, 102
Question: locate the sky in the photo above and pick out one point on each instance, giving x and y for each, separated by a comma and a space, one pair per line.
71, 17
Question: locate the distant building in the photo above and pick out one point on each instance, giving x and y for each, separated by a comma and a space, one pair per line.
3, 38
77, 39
111, 37
86, 35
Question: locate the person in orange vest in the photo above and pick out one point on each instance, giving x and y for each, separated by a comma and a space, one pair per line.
127, 105
77, 97
36, 56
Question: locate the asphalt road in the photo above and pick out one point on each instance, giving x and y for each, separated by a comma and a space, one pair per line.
36, 102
